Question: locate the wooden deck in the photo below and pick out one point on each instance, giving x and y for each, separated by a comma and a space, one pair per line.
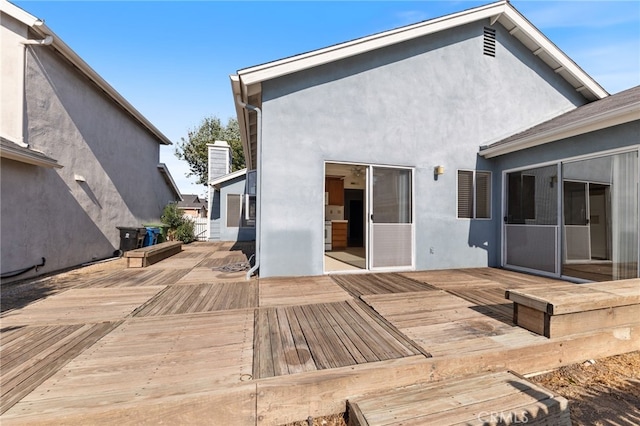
187, 339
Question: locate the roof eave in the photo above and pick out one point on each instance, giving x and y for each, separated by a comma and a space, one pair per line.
260, 73
227, 177
12, 151
164, 170
502, 12
601, 121
240, 95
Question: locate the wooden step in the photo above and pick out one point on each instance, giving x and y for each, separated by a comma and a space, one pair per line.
569, 309
503, 398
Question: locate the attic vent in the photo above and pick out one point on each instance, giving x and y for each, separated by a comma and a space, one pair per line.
489, 47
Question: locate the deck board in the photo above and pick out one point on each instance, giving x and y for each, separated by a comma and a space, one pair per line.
322, 336
36, 353
181, 299
300, 291
381, 283
83, 305
150, 358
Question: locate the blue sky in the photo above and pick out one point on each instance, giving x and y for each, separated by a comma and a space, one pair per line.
172, 59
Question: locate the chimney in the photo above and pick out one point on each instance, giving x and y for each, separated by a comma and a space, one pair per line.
219, 159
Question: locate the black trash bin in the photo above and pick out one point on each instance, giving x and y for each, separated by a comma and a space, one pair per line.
131, 238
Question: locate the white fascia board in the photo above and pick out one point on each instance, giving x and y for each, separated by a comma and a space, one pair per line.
165, 171
19, 14
228, 177
587, 125
495, 11
552, 50
250, 76
236, 89
28, 156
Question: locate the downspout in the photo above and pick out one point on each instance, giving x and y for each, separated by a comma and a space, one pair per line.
44, 42
258, 112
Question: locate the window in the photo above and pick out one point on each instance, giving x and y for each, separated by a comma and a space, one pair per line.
241, 211
234, 208
474, 194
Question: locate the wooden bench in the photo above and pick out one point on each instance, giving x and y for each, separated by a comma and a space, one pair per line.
568, 309
502, 398
145, 256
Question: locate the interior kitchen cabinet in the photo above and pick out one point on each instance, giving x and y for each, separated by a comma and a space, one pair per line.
335, 187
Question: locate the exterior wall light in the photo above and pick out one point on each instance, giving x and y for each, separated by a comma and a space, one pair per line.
438, 170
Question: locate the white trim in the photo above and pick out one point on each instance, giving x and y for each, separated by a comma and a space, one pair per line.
589, 124
502, 11
28, 156
318, 57
228, 177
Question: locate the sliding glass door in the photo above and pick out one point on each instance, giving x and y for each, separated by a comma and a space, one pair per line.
577, 218
391, 218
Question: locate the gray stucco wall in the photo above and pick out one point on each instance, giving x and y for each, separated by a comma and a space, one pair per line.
46, 212
219, 231
426, 102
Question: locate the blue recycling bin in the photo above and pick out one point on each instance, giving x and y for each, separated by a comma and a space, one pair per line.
152, 236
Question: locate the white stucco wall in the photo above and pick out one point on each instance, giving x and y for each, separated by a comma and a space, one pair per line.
47, 212
430, 101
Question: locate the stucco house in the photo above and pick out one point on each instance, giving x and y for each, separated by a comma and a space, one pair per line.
468, 140
232, 197
77, 159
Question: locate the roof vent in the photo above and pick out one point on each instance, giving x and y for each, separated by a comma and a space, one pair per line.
489, 46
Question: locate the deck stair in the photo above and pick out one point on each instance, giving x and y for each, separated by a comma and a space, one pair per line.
500, 398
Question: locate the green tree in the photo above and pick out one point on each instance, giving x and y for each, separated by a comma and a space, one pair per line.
194, 149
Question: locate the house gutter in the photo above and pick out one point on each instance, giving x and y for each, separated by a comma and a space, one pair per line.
43, 42
258, 112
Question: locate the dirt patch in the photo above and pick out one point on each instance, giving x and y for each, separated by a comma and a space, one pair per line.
333, 420
600, 392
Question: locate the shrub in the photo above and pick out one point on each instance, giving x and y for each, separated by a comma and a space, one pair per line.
180, 228
185, 232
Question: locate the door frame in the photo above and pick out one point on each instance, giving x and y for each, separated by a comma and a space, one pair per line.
369, 222
368, 199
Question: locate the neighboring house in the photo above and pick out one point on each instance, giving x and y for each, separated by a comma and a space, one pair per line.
192, 206
232, 197
368, 154
77, 160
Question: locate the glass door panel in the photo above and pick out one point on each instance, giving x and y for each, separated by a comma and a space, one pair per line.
601, 218
576, 223
391, 222
531, 218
